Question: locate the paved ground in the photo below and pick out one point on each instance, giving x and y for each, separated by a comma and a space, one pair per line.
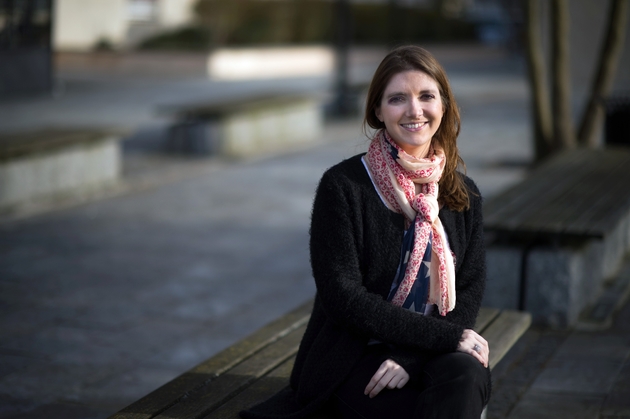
103, 302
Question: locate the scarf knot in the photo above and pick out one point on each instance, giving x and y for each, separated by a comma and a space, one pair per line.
409, 186
426, 206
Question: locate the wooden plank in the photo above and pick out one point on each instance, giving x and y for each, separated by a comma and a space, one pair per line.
229, 384
174, 391
485, 316
604, 214
43, 141
506, 210
504, 331
580, 193
544, 211
592, 195
261, 390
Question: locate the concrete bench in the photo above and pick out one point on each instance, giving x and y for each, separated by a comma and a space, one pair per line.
46, 163
556, 237
258, 366
246, 126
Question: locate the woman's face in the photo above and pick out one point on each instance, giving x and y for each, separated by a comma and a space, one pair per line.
411, 110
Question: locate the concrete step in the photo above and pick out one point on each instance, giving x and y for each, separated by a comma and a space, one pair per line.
600, 315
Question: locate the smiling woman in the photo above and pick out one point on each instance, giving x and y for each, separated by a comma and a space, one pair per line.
398, 259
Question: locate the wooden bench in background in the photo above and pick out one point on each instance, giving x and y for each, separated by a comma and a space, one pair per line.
559, 235
258, 366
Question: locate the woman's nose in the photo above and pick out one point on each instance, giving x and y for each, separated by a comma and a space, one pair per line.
414, 109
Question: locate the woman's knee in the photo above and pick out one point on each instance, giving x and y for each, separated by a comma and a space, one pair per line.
458, 368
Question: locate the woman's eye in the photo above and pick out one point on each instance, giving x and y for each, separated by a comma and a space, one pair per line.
395, 99
427, 96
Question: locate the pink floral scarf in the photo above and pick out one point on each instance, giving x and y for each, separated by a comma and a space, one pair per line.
409, 185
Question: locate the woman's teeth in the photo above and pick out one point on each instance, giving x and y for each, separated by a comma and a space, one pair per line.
412, 126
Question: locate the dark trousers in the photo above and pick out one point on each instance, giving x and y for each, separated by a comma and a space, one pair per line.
453, 386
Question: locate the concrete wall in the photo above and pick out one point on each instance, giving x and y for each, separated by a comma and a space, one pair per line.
561, 281
275, 128
270, 126
173, 13
80, 24
69, 170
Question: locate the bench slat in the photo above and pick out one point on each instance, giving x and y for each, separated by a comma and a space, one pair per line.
547, 206
172, 392
573, 211
261, 390
264, 336
553, 201
504, 331
525, 196
614, 203
18, 145
236, 379
485, 316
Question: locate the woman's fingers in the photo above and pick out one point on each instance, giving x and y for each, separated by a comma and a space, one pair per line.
474, 344
390, 375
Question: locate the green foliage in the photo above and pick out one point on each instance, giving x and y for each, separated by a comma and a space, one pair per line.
256, 22
103, 44
378, 23
278, 22
192, 38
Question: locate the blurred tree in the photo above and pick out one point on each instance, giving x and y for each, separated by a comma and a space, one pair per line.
553, 126
593, 115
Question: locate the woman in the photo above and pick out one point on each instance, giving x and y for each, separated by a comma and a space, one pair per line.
398, 259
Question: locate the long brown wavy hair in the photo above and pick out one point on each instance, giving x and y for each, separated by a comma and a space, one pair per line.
453, 192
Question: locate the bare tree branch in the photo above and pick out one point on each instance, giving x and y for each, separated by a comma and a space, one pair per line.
541, 109
593, 115
563, 133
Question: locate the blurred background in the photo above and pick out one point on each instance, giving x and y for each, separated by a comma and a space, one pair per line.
158, 160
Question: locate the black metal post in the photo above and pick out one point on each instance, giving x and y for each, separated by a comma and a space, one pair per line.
344, 103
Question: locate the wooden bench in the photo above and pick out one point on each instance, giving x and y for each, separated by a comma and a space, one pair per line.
44, 163
258, 366
244, 126
555, 237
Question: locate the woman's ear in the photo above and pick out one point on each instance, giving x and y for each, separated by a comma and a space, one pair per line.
377, 112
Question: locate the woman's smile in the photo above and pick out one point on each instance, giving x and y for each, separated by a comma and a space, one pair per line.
414, 127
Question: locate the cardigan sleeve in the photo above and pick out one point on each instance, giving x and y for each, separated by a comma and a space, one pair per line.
336, 232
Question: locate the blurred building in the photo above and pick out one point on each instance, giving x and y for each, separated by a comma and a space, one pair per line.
25, 47
81, 25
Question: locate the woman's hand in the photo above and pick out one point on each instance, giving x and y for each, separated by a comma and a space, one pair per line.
472, 343
390, 375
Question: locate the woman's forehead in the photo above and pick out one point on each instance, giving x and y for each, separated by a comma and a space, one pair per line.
412, 80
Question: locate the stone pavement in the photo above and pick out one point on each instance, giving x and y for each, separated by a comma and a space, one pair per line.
101, 302
567, 374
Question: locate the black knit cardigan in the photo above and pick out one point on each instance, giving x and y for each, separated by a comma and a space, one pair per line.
355, 249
